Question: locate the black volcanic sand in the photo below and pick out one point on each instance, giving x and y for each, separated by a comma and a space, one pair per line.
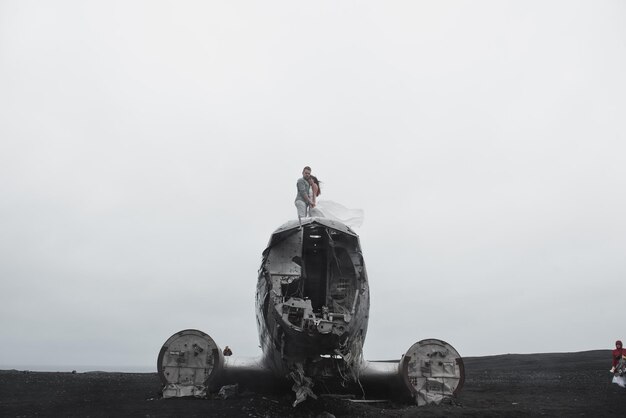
512, 385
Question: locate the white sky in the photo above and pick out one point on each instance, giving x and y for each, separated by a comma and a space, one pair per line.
149, 148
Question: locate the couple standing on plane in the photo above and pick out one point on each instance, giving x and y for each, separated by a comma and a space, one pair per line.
308, 190
308, 187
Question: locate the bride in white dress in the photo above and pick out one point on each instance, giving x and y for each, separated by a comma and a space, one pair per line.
333, 210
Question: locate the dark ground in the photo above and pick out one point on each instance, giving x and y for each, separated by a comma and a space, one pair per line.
512, 385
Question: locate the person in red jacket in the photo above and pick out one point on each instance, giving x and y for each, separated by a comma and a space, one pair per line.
617, 354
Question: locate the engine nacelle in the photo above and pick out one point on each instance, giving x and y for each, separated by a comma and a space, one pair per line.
189, 363
429, 372
432, 370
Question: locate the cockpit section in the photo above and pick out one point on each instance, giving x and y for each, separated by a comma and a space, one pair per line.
315, 280
313, 302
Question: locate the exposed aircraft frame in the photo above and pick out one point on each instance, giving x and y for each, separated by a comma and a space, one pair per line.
312, 310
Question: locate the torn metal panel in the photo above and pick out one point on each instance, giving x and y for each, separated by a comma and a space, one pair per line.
286, 264
228, 391
174, 390
302, 385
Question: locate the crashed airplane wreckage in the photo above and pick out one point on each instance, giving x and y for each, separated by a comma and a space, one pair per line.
312, 309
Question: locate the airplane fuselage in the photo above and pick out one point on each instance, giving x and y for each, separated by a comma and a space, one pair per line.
312, 300
312, 310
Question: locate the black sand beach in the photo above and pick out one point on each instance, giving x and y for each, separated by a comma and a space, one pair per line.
555, 384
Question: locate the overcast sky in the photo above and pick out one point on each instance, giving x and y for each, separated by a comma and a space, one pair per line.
148, 149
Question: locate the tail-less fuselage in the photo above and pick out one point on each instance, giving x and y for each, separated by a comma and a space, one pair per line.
312, 310
313, 300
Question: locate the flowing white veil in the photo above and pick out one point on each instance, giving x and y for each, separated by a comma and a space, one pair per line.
337, 212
